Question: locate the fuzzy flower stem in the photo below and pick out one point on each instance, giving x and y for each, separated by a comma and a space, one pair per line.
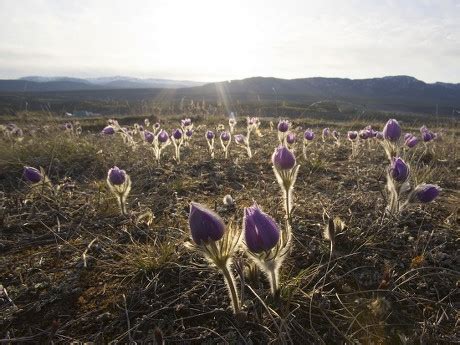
122, 204
230, 281
274, 282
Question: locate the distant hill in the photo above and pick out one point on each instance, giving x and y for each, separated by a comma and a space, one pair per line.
393, 89
393, 93
46, 84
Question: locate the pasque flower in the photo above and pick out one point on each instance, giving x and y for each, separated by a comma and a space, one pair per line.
261, 232
210, 135
109, 130
290, 138
266, 245
283, 126
217, 243
148, 136
163, 136
117, 176
32, 174
119, 183
424, 193
225, 136
392, 131
352, 135
309, 135
283, 158
177, 134
205, 225
399, 170
411, 141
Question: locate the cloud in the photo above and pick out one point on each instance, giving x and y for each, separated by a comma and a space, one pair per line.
209, 40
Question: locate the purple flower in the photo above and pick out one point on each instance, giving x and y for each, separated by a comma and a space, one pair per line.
379, 135
209, 135
352, 135
239, 139
335, 134
326, 132
363, 134
290, 139
425, 193
177, 134
117, 176
407, 136
148, 137
261, 232
163, 136
109, 130
189, 133
309, 135
225, 136
186, 122
423, 129
283, 126
283, 158
205, 225
427, 136
392, 130
411, 141
32, 175
399, 170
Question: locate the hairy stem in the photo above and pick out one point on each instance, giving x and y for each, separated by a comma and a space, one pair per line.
230, 281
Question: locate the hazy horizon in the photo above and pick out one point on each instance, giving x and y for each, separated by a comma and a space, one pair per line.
208, 41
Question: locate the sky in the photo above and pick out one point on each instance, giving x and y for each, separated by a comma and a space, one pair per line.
213, 40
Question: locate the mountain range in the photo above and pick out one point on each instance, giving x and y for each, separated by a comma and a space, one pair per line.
45, 84
391, 93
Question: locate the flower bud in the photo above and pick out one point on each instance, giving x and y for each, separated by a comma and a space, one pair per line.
283, 126
225, 136
32, 175
205, 225
309, 135
411, 141
109, 130
260, 230
186, 122
335, 134
399, 170
424, 193
209, 135
148, 136
290, 139
239, 139
283, 158
163, 136
189, 133
427, 136
177, 134
363, 134
117, 176
392, 130
352, 135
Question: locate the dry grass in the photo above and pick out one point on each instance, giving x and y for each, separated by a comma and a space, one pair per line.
391, 280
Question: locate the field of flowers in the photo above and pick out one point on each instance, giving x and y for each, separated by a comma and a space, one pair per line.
241, 230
